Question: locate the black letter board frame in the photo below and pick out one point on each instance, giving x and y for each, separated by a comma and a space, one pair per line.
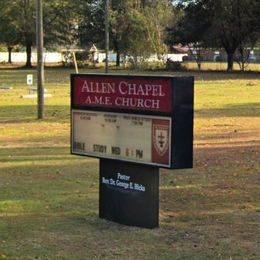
181, 116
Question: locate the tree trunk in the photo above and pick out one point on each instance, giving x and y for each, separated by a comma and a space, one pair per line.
10, 54
118, 59
117, 50
28, 55
230, 61
243, 61
198, 58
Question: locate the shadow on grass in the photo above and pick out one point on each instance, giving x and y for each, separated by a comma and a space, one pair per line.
16, 114
50, 176
231, 110
64, 73
54, 202
41, 154
30, 154
54, 113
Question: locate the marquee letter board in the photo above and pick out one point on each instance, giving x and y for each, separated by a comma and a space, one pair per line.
140, 119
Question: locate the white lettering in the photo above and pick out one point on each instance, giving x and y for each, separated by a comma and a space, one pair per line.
157, 91
123, 177
98, 100
122, 184
140, 90
139, 187
88, 100
131, 89
85, 87
148, 88
137, 103
122, 88
98, 87
105, 181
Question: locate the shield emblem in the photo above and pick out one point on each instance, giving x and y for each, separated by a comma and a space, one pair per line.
161, 138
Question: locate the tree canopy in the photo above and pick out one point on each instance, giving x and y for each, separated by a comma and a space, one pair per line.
17, 23
230, 24
137, 27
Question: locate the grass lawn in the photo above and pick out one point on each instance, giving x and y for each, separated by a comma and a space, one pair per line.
220, 66
49, 198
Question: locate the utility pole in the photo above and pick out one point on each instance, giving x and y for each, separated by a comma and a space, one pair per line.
40, 64
106, 33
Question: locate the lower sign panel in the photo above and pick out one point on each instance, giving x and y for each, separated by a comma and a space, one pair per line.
135, 138
129, 193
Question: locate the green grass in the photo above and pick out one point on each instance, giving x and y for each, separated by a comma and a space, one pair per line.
220, 66
49, 198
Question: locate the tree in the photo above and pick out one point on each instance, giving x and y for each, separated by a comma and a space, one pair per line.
8, 31
9, 35
91, 29
19, 17
127, 25
226, 23
61, 19
136, 27
188, 29
235, 22
242, 54
158, 15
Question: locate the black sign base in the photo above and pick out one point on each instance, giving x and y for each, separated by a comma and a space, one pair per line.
129, 193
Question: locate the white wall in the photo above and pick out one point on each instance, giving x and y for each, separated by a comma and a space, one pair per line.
21, 57
175, 57
50, 57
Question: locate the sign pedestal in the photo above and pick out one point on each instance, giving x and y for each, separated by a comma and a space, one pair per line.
129, 193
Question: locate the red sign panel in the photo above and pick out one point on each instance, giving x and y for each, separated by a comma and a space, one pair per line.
136, 93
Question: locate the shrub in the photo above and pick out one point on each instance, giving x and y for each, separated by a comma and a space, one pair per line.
174, 65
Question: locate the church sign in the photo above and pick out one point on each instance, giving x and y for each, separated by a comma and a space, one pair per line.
135, 125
